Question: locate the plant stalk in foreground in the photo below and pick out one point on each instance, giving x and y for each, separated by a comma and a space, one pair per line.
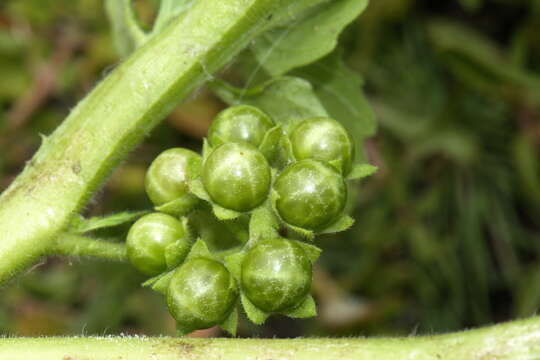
517, 340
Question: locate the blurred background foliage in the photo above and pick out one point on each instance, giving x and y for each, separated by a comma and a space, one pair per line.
447, 232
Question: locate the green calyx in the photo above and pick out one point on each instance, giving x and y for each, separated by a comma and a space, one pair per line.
236, 177
167, 180
157, 242
239, 124
323, 139
310, 194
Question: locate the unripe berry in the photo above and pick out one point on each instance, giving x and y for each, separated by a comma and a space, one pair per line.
310, 194
323, 139
240, 123
201, 294
276, 275
168, 176
148, 239
237, 176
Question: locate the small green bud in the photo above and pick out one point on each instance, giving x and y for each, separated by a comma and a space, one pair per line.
323, 139
240, 123
168, 176
276, 275
157, 242
237, 176
202, 293
310, 194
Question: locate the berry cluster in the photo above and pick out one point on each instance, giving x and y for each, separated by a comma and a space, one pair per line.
272, 186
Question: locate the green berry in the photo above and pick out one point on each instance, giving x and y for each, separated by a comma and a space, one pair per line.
150, 243
241, 123
237, 176
310, 194
168, 176
201, 294
276, 275
323, 139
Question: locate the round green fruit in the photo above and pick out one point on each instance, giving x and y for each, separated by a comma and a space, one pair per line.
276, 275
310, 194
148, 239
201, 294
323, 139
240, 123
237, 176
168, 176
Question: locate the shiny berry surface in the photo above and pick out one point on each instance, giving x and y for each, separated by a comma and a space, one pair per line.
148, 239
311, 194
241, 123
323, 139
237, 176
168, 175
201, 294
276, 275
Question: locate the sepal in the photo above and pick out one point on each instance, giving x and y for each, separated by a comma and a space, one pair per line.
263, 224
199, 249
360, 171
224, 214
253, 313
230, 324
179, 207
234, 264
312, 251
306, 309
160, 283
341, 224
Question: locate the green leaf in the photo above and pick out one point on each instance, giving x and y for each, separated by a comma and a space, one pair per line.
312, 251
253, 313
168, 10
231, 323
224, 214
234, 263
126, 30
306, 309
342, 224
286, 100
263, 224
199, 249
81, 225
340, 92
306, 40
160, 283
360, 171
179, 207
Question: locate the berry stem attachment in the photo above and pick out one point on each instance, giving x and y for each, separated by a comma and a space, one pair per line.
78, 245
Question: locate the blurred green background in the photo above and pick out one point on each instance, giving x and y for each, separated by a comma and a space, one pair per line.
447, 233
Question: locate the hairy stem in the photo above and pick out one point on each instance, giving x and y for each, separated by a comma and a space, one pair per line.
518, 340
75, 160
78, 245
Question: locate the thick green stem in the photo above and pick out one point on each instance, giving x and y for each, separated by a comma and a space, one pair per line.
518, 340
114, 117
78, 245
